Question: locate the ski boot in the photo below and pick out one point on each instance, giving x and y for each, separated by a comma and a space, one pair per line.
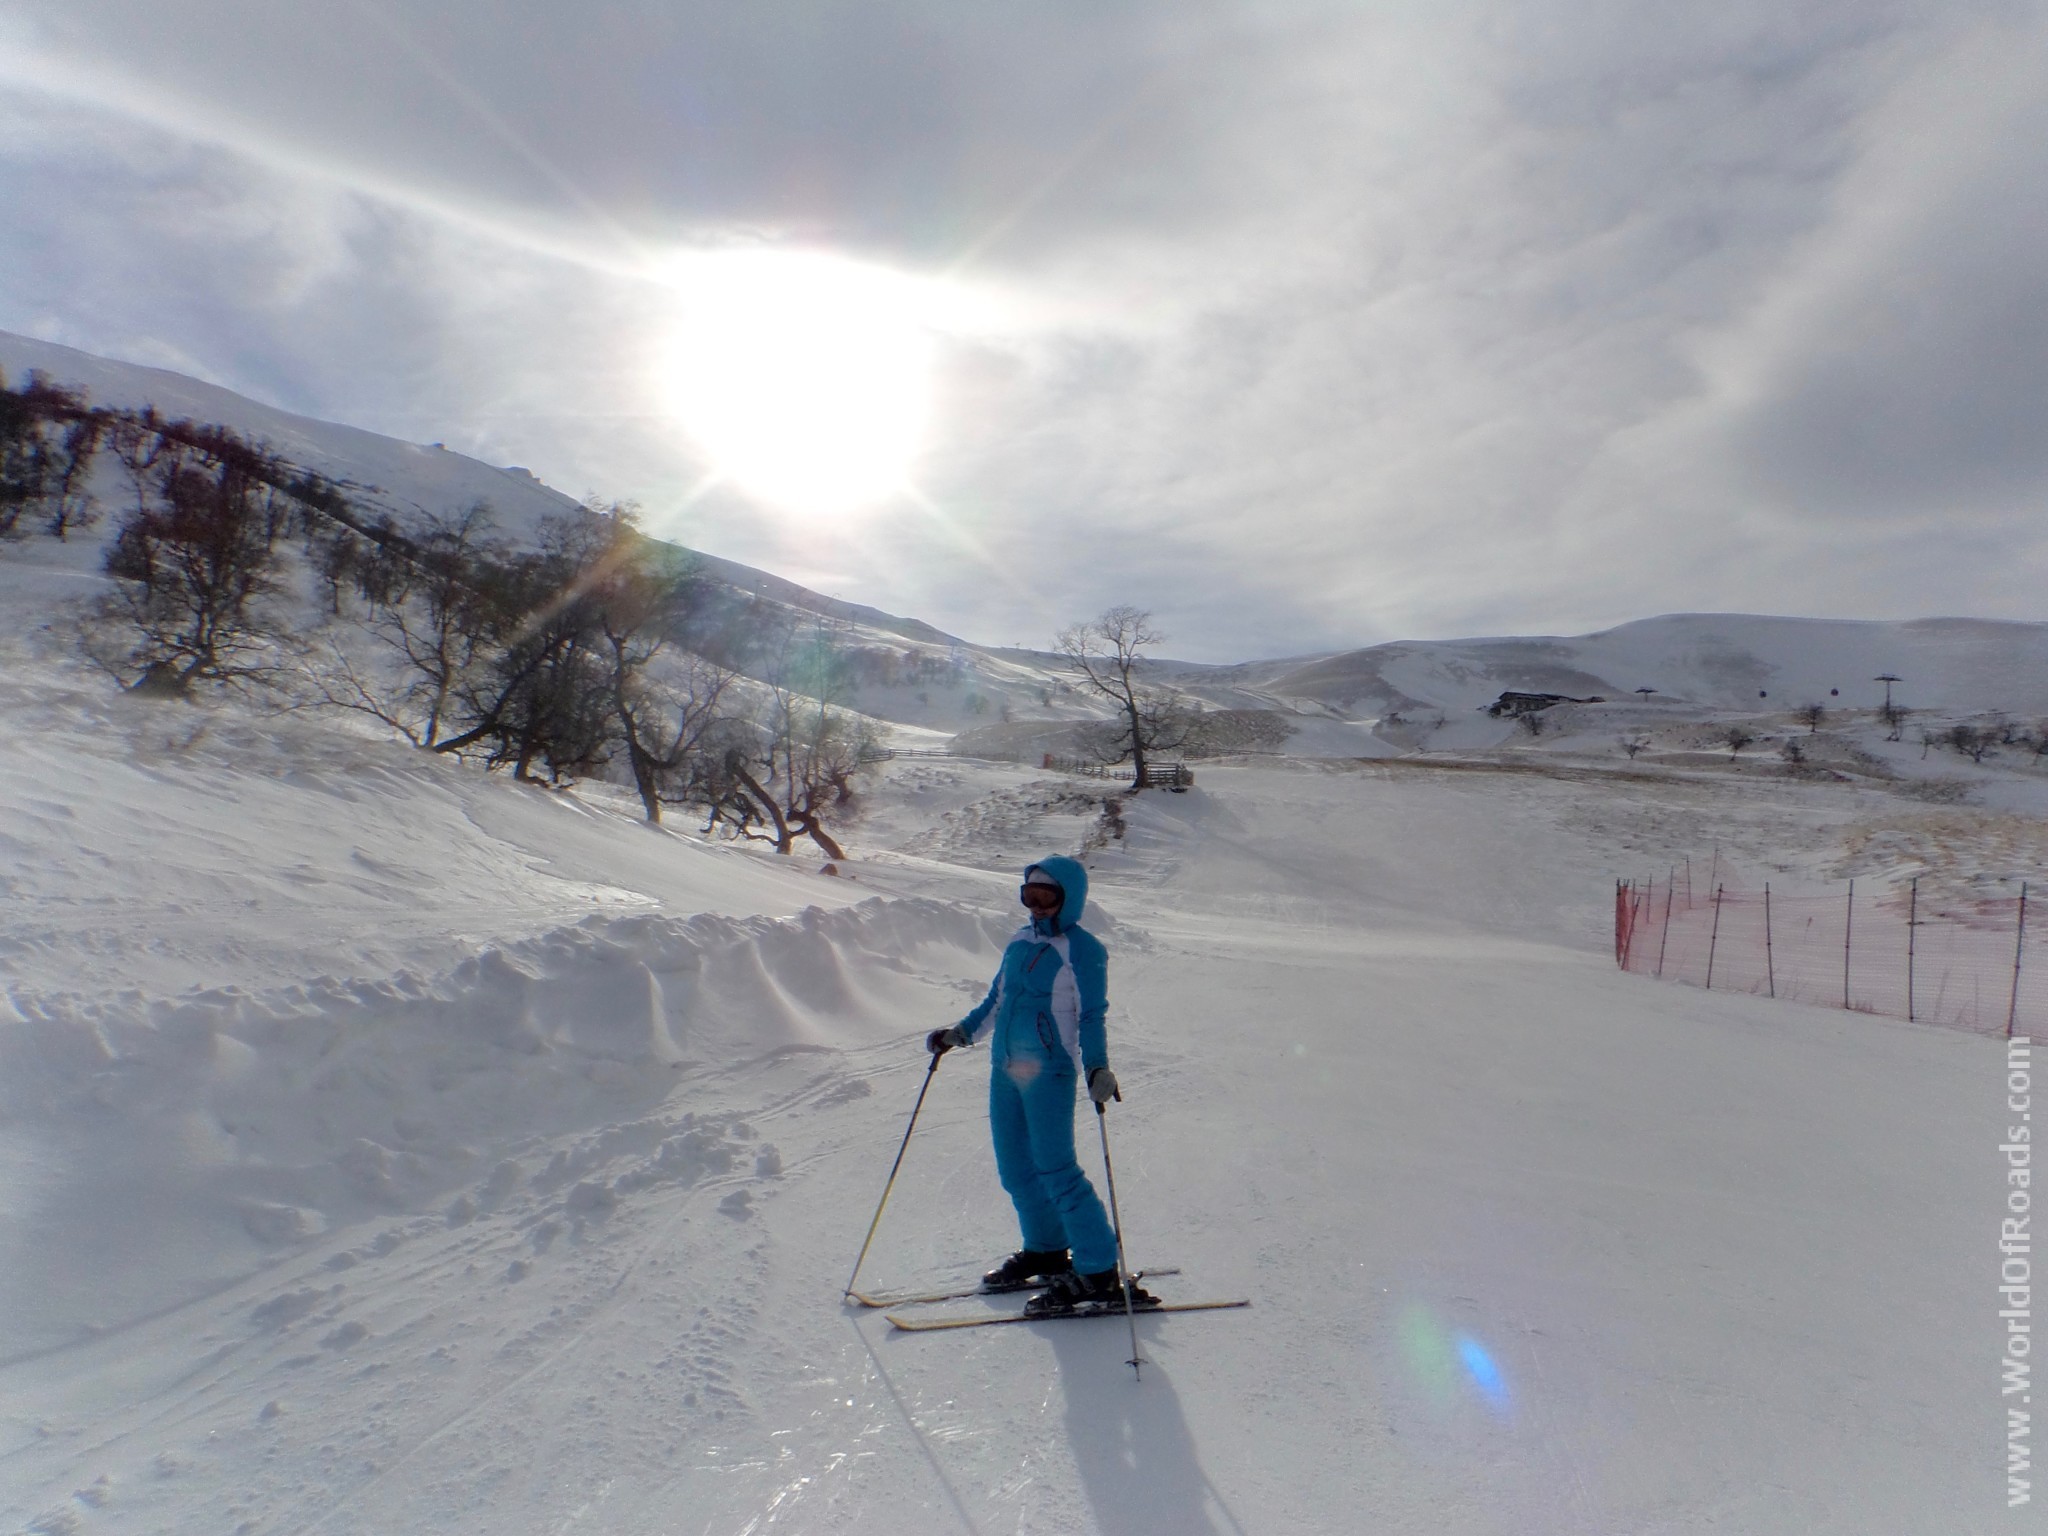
1100, 1291
1020, 1271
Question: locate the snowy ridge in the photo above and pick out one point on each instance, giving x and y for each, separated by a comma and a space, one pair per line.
384, 474
1715, 661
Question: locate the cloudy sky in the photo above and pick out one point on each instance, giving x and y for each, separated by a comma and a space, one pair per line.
1302, 324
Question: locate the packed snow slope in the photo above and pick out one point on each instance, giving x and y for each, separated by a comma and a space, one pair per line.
535, 1218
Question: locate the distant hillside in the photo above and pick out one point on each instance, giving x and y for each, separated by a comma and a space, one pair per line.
1726, 661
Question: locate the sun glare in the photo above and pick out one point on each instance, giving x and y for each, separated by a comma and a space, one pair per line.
804, 378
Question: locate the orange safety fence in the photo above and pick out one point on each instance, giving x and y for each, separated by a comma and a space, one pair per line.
1873, 948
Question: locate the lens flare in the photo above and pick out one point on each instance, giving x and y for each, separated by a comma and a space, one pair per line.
1446, 1364
1480, 1367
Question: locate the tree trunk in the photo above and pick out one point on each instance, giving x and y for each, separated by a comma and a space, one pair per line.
784, 838
644, 780
808, 821
629, 726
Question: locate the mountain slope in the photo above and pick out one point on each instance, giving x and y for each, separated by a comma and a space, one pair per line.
1715, 661
384, 474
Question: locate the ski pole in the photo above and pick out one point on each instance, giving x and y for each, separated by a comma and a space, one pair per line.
928, 1071
1123, 1274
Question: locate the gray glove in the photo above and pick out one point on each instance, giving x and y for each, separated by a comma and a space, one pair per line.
1102, 1086
940, 1041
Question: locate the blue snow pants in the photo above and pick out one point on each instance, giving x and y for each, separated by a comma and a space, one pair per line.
1031, 1113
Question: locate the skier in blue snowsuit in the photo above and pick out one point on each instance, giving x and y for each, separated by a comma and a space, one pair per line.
1044, 1021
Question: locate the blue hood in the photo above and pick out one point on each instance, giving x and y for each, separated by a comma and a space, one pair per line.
1073, 880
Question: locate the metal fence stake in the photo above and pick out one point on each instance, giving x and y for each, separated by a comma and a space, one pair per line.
1912, 936
2019, 945
1714, 938
1848, 927
1670, 886
1770, 964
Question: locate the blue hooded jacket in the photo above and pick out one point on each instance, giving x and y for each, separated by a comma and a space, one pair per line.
1051, 994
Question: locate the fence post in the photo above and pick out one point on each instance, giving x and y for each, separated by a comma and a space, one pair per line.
1713, 938
1670, 886
1848, 927
2019, 945
1912, 937
1770, 964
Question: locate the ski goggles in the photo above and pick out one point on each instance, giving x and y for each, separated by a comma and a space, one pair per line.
1042, 898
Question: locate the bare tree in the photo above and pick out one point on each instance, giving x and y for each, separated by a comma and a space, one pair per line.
436, 603
24, 456
1106, 653
48, 437
139, 447
668, 700
337, 559
197, 564
539, 692
67, 496
1974, 742
1737, 737
798, 772
1632, 745
1811, 716
21, 462
438, 612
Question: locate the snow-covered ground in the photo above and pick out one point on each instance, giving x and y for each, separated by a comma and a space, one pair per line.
387, 1147
510, 1184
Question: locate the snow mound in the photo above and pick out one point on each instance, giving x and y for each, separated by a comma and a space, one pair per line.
209, 1127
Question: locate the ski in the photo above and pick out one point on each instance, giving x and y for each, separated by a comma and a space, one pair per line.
916, 1299
1100, 1309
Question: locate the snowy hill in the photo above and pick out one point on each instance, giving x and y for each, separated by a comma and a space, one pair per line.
404, 479
1710, 661
388, 1147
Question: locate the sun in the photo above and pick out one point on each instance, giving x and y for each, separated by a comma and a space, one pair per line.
804, 378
